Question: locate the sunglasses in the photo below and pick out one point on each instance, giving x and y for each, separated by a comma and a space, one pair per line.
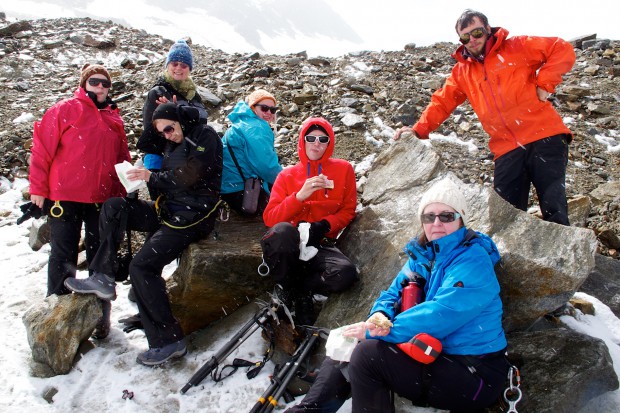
312, 138
444, 217
183, 65
167, 130
267, 108
95, 81
476, 33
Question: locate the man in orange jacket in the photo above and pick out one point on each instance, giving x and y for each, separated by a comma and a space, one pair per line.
507, 82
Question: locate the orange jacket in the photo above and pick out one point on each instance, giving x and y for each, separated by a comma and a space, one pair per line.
334, 205
502, 90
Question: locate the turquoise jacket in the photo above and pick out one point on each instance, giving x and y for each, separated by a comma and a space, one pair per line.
251, 140
462, 306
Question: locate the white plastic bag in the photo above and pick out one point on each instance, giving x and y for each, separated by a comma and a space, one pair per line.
339, 347
306, 252
121, 171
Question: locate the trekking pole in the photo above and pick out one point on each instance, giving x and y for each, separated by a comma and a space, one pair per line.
243, 334
269, 399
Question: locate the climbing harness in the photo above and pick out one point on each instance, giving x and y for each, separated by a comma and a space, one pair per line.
215, 208
263, 268
512, 394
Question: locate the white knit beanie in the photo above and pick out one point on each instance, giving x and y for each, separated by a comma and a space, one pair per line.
446, 192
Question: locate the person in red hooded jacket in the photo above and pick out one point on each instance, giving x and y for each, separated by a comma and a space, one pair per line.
75, 147
312, 201
508, 81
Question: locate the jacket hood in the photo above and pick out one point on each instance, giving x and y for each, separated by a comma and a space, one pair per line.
240, 111
301, 144
500, 35
462, 237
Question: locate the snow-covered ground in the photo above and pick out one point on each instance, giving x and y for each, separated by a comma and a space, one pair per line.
98, 380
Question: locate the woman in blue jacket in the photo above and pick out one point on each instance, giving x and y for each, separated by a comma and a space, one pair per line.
251, 141
461, 308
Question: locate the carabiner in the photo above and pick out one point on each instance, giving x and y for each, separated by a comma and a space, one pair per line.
59, 207
263, 272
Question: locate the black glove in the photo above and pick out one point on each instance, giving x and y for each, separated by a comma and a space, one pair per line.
29, 210
131, 323
317, 232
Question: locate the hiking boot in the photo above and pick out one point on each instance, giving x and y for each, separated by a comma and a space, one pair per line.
304, 310
159, 355
99, 284
102, 330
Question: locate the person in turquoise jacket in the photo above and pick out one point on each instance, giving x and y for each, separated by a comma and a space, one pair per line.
460, 307
251, 140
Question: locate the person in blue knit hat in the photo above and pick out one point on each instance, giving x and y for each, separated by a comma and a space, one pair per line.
174, 85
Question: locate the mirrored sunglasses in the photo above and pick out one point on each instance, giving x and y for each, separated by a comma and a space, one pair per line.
312, 138
476, 33
167, 130
444, 217
181, 64
95, 81
267, 108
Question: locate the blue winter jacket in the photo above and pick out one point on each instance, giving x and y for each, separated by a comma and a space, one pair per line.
462, 307
251, 140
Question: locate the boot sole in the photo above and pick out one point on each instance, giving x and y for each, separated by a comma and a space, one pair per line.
99, 294
176, 354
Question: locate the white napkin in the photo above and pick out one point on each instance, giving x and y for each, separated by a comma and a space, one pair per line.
121, 171
339, 347
306, 252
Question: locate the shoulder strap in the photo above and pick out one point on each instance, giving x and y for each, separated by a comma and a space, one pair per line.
232, 155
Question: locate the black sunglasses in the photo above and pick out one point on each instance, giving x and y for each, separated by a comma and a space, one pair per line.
476, 33
168, 129
94, 81
312, 138
444, 217
267, 108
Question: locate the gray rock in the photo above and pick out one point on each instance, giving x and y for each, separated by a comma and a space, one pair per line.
561, 370
604, 282
207, 96
40, 233
537, 273
56, 326
217, 276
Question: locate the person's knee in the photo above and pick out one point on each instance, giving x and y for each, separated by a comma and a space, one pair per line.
281, 238
343, 279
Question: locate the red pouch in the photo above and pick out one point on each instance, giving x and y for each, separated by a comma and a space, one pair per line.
422, 347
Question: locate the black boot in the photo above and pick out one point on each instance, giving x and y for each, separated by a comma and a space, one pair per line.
304, 309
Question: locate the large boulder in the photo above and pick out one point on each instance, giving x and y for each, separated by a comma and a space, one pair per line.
219, 274
542, 264
561, 370
604, 283
56, 326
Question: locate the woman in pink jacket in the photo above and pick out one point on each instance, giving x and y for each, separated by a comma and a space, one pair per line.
75, 147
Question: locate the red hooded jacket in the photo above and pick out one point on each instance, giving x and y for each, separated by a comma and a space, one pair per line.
337, 205
75, 147
502, 90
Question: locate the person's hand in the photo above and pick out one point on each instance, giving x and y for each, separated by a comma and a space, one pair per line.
312, 184
403, 130
137, 174
378, 325
37, 200
357, 330
318, 230
543, 95
163, 99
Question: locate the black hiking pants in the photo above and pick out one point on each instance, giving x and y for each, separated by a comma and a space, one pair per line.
162, 247
329, 271
543, 164
377, 368
66, 231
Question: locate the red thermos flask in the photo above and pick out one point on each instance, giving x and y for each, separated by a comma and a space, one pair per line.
413, 292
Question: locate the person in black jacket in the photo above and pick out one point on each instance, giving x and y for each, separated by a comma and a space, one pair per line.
174, 85
189, 182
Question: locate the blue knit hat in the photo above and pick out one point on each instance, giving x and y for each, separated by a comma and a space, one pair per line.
180, 52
